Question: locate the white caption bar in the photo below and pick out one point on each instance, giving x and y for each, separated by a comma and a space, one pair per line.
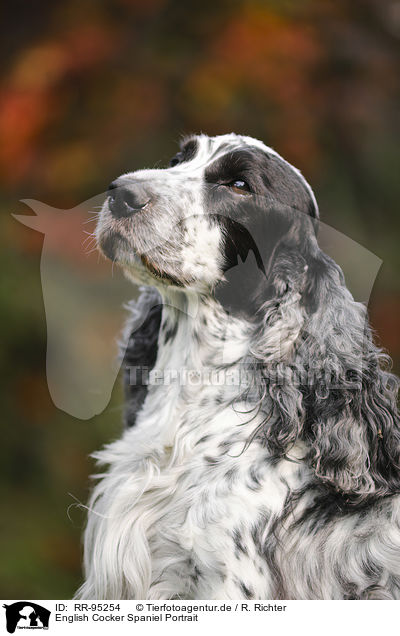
130, 617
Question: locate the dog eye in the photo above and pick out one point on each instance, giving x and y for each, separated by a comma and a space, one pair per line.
239, 186
175, 160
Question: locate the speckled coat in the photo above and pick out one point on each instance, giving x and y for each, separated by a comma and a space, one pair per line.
267, 481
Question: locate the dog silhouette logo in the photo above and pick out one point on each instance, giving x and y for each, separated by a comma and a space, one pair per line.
85, 299
26, 615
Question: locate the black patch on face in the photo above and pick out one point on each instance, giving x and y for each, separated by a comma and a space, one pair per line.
188, 151
256, 228
267, 175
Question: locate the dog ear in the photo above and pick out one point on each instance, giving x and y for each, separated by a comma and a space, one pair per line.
280, 321
349, 401
324, 381
280, 316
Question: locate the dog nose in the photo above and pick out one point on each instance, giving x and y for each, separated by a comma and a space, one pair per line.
126, 198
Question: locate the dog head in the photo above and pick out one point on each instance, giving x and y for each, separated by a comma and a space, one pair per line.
221, 199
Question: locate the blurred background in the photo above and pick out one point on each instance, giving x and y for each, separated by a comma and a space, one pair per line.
92, 88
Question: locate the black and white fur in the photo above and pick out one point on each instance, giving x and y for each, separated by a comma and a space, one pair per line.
284, 483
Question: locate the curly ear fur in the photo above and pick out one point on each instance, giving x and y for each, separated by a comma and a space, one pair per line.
325, 378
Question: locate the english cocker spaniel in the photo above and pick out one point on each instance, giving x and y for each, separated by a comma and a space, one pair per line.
261, 453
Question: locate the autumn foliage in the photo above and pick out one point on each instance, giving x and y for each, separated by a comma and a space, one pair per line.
92, 89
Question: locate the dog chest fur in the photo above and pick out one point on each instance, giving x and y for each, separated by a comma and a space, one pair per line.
176, 500
177, 476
